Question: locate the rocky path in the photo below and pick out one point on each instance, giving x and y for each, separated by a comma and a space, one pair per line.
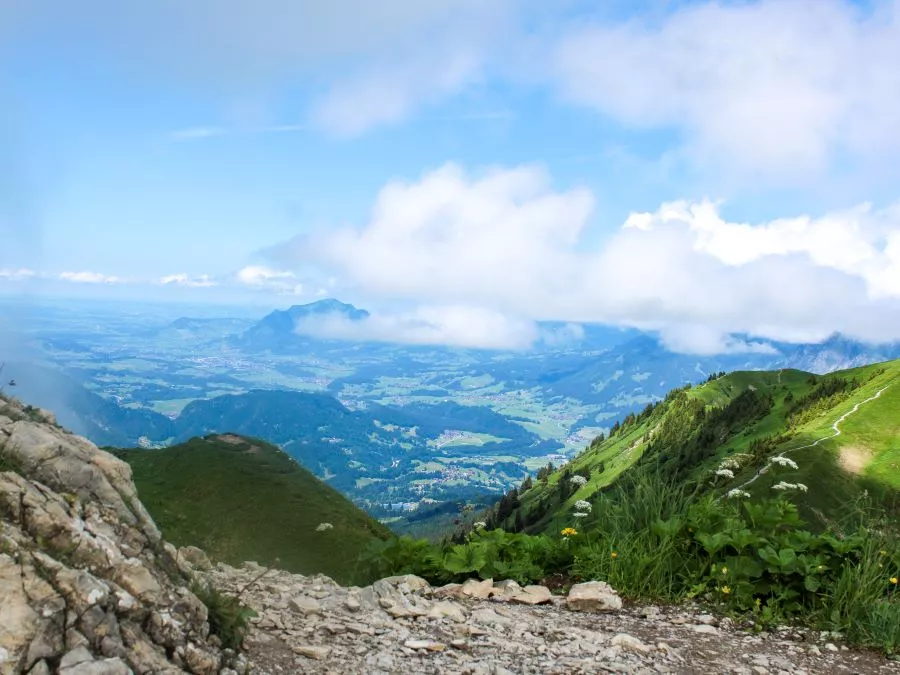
402, 625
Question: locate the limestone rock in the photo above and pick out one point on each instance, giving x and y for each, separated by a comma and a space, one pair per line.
593, 596
533, 595
88, 586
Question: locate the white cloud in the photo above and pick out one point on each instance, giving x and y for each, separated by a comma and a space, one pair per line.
456, 326
265, 278
17, 274
775, 87
202, 281
201, 133
504, 237
388, 93
508, 242
91, 278
375, 62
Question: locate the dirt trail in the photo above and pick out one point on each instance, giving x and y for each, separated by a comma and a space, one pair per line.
835, 427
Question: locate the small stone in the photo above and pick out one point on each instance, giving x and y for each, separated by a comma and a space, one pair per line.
312, 651
428, 645
305, 605
446, 609
630, 643
533, 595
593, 596
480, 590
830, 647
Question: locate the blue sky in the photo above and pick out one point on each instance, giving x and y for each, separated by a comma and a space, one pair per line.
240, 150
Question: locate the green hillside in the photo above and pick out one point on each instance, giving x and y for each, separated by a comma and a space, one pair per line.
743, 419
243, 499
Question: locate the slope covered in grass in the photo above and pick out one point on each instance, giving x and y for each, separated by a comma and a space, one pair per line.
744, 419
242, 499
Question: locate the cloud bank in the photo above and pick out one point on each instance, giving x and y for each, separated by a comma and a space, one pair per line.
506, 241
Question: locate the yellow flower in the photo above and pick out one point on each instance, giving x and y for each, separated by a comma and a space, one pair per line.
883, 552
724, 571
613, 555
726, 589
569, 532
894, 580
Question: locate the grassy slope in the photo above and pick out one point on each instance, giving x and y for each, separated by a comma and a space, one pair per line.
241, 499
873, 433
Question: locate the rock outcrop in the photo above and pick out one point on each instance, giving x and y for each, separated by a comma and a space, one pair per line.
88, 585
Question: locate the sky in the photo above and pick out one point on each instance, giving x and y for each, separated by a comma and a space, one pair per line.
462, 168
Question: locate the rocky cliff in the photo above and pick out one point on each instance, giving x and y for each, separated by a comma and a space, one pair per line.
88, 586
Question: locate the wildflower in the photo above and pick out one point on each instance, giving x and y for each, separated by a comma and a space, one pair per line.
783, 486
730, 464
783, 461
569, 532
613, 555
801, 487
580, 515
583, 505
479, 525
725, 473
894, 580
882, 552
726, 589
738, 494
578, 481
323, 527
724, 570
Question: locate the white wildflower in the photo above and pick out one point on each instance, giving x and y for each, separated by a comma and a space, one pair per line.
738, 494
731, 464
479, 525
725, 473
784, 461
581, 515
784, 486
578, 481
582, 505
324, 527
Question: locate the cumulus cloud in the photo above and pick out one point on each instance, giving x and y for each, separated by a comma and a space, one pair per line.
265, 278
508, 242
506, 236
91, 278
456, 326
17, 274
202, 281
775, 87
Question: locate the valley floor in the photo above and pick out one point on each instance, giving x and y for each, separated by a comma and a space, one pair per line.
401, 625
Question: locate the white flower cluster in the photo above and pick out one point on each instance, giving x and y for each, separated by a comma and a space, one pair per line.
731, 464
578, 481
583, 505
479, 525
782, 486
324, 527
738, 494
784, 461
580, 515
725, 473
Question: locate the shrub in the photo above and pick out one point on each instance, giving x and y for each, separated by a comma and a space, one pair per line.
229, 619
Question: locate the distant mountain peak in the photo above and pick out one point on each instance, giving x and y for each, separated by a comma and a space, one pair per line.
328, 306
